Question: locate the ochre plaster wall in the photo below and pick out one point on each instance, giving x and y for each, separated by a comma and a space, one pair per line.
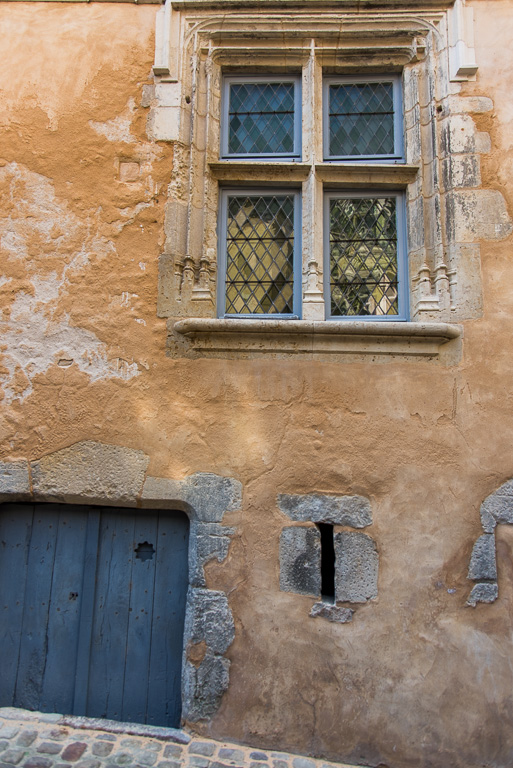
418, 678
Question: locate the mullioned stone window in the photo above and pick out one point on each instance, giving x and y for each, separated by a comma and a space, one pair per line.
380, 119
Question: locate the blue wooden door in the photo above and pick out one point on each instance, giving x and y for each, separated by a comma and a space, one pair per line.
92, 604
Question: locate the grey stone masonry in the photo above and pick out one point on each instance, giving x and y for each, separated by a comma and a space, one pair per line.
496, 509
482, 563
356, 573
354, 511
300, 560
35, 740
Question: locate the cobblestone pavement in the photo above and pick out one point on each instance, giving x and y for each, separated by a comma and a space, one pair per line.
35, 740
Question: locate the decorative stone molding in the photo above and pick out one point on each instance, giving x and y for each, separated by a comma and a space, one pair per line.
496, 509
96, 473
333, 340
448, 211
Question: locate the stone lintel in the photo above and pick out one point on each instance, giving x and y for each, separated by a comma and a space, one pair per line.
354, 511
224, 337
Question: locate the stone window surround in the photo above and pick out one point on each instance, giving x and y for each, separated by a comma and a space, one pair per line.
430, 42
356, 554
109, 475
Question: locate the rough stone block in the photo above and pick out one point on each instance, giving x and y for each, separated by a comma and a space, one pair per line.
210, 619
205, 495
303, 762
457, 135
26, 738
469, 104
461, 171
483, 593
74, 751
49, 748
173, 750
102, 749
9, 731
14, 480
496, 509
300, 560
476, 215
164, 123
483, 142
321, 508
335, 613
89, 763
13, 756
204, 687
211, 542
356, 567
226, 753
205, 748
483, 564
90, 471
38, 762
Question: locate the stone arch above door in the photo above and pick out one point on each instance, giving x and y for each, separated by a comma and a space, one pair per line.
497, 508
97, 473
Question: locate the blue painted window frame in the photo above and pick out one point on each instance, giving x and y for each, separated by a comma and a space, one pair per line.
402, 253
398, 155
228, 80
224, 195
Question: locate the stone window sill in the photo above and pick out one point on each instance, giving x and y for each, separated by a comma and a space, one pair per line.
207, 337
342, 173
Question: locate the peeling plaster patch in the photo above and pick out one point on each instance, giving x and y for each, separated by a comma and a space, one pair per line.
36, 213
45, 343
117, 129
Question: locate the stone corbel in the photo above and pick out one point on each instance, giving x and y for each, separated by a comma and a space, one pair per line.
462, 59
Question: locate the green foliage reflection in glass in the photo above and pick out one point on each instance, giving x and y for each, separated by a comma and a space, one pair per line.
261, 119
361, 119
259, 254
363, 256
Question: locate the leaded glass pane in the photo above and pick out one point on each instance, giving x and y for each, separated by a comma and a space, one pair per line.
261, 118
361, 119
260, 255
363, 256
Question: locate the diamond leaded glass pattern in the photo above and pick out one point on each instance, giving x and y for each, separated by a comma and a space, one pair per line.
363, 256
361, 119
260, 254
261, 118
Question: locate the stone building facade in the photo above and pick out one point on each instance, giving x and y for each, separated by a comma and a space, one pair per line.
345, 467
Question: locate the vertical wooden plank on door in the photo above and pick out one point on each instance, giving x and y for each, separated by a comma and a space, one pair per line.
135, 689
64, 615
15, 532
88, 590
110, 622
33, 646
171, 580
